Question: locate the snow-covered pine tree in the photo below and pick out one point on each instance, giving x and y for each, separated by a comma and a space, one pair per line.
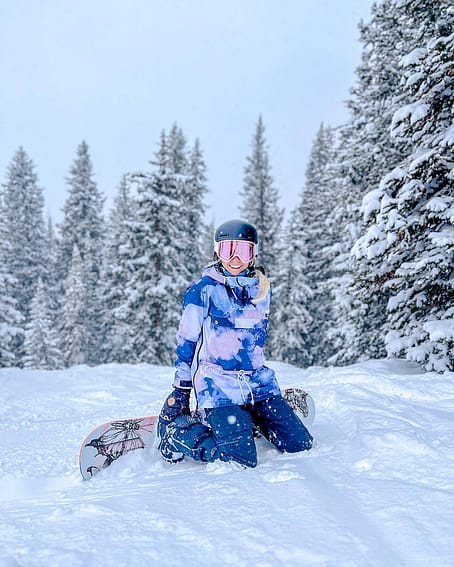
410, 244
73, 331
177, 159
419, 21
291, 294
82, 227
11, 328
116, 274
195, 207
24, 229
366, 151
261, 201
174, 166
155, 252
41, 340
189, 172
50, 272
312, 216
208, 242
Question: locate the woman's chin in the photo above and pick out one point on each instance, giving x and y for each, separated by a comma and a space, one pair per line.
234, 268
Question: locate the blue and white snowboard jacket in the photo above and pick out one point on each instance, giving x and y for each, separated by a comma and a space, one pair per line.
220, 341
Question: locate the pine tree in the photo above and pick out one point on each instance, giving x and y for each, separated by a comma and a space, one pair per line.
10, 321
188, 171
51, 270
290, 319
173, 165
195, 255
365, 153
73, 331
116, 275
260, 201
155, 251
82, 223
82, 227
177, 159
11, 329
409, 246
41, 342
23, 205
208, 242
420, 21
313, 217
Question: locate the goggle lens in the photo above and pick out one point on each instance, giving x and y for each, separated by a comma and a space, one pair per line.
227, 249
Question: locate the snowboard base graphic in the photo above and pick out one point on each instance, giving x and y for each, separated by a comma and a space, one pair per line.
111, 440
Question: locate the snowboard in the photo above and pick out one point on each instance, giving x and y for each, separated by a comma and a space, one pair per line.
109, 441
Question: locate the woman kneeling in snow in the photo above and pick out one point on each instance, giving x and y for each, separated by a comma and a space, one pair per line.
220, 344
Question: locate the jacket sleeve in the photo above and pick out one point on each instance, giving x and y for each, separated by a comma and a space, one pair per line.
195, 310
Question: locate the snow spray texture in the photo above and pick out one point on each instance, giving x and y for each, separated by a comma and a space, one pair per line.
220, 341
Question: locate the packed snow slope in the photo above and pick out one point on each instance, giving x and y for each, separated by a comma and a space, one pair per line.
377, 488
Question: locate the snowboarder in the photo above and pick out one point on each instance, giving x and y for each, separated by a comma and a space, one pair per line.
220, 345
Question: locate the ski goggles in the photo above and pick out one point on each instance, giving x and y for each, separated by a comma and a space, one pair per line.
228, 249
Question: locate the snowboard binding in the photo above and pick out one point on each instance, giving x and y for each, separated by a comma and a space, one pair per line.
301, 403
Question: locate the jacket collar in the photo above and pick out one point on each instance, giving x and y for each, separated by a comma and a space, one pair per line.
231, 281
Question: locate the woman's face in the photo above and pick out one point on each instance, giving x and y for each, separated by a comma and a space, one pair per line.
235, 255
235, 266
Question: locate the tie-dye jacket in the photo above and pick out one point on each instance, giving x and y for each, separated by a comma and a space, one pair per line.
220, 341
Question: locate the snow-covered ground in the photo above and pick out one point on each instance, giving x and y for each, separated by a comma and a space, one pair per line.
377, 489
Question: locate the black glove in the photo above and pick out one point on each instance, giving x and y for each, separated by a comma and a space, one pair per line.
177, 403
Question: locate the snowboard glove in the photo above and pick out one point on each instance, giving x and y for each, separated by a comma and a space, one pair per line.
177, 403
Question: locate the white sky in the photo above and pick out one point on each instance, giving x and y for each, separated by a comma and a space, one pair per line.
116, 73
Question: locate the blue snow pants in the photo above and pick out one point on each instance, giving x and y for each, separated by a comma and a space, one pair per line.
229, 435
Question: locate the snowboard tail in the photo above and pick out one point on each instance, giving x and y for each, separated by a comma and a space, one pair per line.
109, 441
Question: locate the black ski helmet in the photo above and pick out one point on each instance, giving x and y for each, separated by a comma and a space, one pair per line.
236, 229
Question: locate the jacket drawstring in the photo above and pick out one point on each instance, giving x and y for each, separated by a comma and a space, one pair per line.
242, 380
231, 290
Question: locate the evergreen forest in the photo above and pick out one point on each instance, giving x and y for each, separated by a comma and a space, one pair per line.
361, 268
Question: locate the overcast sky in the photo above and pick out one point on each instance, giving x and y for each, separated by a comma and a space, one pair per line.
116, 73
